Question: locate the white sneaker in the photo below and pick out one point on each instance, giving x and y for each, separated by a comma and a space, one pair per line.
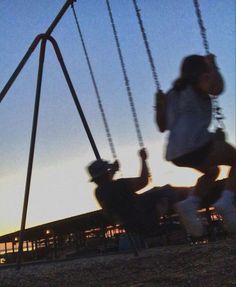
187, 211
225, 207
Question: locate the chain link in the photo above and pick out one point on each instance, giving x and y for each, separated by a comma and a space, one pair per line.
99, 100
127, 85
201, 26
147, 46
217, 111
217, 114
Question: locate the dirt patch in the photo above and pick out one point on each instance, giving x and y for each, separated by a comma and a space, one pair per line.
197, 265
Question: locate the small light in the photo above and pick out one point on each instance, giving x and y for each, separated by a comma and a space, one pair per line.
16, 238
48, 231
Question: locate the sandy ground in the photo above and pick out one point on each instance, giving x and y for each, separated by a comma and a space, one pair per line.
205, 265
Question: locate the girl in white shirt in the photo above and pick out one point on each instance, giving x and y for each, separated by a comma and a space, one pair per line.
186, 112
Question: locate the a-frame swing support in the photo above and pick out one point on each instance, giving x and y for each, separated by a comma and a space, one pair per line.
43, 39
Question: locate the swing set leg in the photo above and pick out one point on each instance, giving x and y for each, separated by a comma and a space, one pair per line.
31, 153
43, 38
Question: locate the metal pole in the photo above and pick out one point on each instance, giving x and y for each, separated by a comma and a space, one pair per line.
74, 95
59, 16
44, 38
32, 148
33, 46
20, 66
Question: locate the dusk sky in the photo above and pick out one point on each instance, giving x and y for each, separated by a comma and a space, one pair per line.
60, 185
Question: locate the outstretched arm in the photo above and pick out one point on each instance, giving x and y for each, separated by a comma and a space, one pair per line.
144, 169
140, 182
115, 166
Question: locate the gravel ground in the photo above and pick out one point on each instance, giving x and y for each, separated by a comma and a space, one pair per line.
199, 265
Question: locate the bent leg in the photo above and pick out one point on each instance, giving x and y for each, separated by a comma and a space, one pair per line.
221, 153
206, 181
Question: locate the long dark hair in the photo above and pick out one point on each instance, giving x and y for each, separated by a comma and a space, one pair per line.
192, 68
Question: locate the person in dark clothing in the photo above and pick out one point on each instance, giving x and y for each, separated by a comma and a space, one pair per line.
119, 198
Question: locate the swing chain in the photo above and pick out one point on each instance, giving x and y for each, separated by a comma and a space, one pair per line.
201, 26
147, 46
217, 111
127, 85
218, 115
99, 100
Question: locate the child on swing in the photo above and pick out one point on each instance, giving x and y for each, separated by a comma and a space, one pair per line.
186, 112
119, 198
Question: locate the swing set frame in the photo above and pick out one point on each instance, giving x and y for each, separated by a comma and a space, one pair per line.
42, 39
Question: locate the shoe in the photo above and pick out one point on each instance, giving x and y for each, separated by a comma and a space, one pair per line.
187, 211
225, 207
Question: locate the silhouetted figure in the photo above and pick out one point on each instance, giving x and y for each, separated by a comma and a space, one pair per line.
186, 112
119, 197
